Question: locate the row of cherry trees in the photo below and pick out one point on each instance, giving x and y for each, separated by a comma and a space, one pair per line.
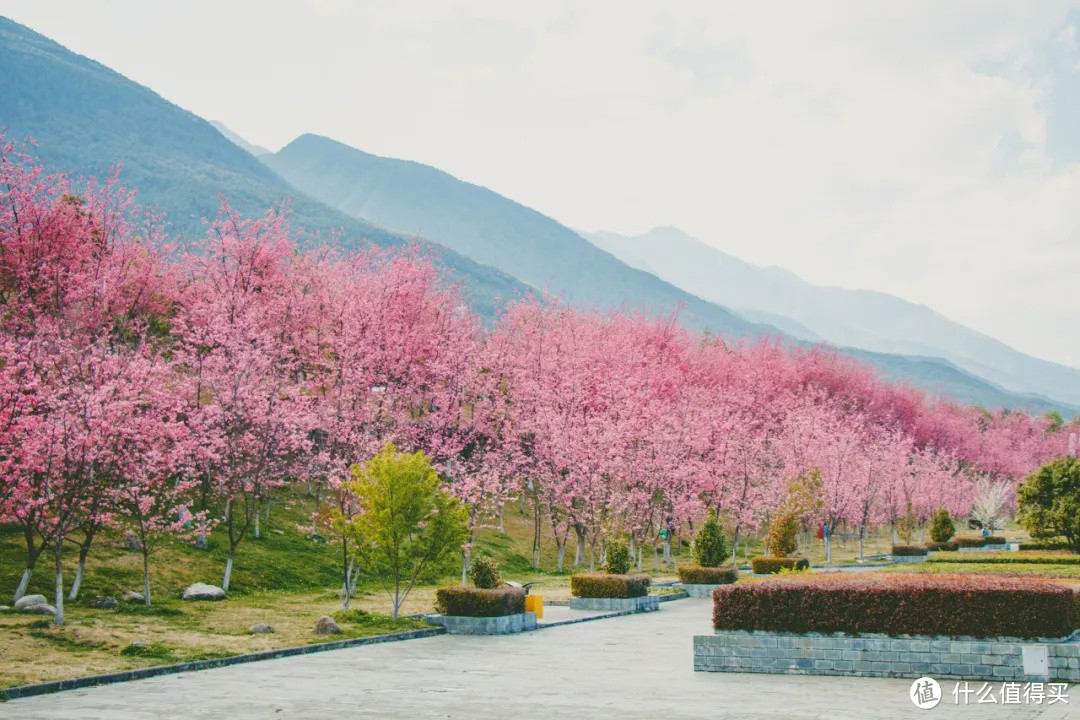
169, 390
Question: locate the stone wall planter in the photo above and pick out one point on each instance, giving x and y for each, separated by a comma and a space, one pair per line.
876, 655
908, 558
503, 625
697, 590
646, 603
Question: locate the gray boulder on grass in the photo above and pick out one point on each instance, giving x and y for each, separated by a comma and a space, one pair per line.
130, 596
29, 601
42, 609
104, 602
259, 629
202, 591
327, 626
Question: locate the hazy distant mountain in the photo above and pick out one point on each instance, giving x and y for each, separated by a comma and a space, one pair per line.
87, 118
419, 200
255, 150
853, 318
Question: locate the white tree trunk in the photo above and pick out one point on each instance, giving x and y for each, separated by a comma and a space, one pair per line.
59, 587
502, 527
77, 583
24, 582
228, 572
562, 554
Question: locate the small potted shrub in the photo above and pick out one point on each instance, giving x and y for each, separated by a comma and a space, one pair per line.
710, 551
614, 589
487, 608
782, 544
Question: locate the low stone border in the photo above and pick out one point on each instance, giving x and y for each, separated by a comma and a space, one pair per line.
22, 691
646, 603
985, 548
876, 655
668, 597
900, 559
501, 625
699, 589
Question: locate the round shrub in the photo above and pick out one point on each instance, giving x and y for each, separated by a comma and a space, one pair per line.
485, 573
710, 546
617, 557
698, 575
942, 527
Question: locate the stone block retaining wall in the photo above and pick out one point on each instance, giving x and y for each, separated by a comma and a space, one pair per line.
505, 624
878, 655
638, 604
699, 590
908, 558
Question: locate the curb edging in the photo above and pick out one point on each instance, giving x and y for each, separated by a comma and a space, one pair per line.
21, 691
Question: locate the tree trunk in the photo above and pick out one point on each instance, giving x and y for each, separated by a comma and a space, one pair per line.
502, 526
655, 555
536, 533
59, 618
146, 573
640, 554
346, 565
735, 546
257, 518
862, 536
562, 552
84, 550
23, 583
397, 597
466, 557
579, 551
228, 570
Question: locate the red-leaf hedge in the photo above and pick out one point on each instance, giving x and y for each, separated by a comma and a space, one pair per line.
698, 575
915, 604
765, 565
908, 550
603, 585
1033, 558
479, 602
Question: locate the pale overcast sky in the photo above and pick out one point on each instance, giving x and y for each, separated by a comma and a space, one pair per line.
928, 149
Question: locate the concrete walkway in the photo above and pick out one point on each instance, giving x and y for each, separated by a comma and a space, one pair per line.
636, 666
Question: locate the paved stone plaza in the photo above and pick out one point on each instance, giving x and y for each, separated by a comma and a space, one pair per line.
636, 666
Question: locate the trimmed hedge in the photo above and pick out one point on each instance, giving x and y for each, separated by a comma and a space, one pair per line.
1031, 558
969, 541
1055, 545
480, 602
766, 565
898, 604
603, 585
950, 546
698, 575
995, 540
908, 550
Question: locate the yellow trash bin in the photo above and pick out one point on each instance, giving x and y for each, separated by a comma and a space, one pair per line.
535, 603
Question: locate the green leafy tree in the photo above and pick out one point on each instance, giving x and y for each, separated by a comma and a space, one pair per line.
710, 546
485, 573
1049, 501
617, 557
942, 527
908, 524
782, 532
405, 524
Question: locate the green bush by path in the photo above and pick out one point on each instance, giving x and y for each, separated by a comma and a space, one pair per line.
942, 527
710, 545
898, 604
908, 550
766, 565
617, 557
478, 602
602, 585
